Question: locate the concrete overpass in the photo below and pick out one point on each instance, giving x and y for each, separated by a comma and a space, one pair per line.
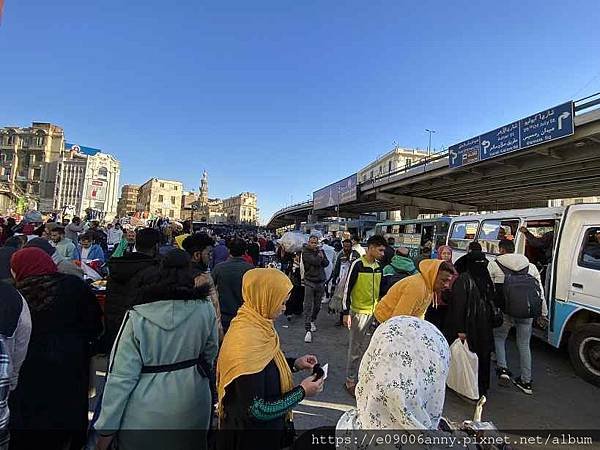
568, 167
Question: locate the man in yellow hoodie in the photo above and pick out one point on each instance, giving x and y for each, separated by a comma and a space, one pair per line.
413, 295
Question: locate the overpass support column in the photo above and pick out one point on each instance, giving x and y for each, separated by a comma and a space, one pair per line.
410, 212
297, 223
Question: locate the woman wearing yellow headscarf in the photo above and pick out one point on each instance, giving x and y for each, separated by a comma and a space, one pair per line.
254, 378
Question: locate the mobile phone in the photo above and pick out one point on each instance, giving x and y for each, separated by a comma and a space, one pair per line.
318, 372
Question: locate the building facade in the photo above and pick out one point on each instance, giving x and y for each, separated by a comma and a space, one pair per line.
83, 182
241, 209
160, 198
395, 160
23, 153
127, 204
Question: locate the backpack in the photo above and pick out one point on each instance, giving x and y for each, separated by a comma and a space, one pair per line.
522, 293
389, 280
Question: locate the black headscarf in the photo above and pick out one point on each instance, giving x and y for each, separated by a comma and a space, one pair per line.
175, 280
476, 264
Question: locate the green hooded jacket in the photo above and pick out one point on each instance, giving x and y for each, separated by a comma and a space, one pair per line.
400, 264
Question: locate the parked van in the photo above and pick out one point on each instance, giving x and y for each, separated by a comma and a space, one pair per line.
572, 274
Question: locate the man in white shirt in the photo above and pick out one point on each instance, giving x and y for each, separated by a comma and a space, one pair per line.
514, 262
114, 234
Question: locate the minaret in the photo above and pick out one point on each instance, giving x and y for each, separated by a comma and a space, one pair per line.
204, 189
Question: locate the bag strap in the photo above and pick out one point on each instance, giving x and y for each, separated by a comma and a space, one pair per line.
508, 271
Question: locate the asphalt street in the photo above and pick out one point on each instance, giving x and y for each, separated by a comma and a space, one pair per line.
561, 401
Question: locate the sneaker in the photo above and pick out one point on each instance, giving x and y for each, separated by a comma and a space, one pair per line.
308, 337
313, 327
503, 376
525, 387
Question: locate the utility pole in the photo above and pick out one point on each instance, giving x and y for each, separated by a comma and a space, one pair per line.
429, 146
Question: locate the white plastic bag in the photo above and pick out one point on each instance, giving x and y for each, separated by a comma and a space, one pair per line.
293, 241
464, 366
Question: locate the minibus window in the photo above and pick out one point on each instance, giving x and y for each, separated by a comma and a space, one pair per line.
462, 234
493, 231
590, 249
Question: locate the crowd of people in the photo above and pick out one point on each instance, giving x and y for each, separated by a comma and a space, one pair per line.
188, 321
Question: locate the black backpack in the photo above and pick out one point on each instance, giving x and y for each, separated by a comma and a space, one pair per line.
522, 294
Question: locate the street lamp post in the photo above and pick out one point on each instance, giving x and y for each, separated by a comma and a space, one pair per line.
429, 146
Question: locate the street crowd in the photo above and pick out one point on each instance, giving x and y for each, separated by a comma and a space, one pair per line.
187, 319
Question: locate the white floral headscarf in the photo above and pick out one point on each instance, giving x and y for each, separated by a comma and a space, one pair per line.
402, 378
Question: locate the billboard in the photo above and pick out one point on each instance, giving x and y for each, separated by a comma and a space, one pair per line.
344, 191
97, 190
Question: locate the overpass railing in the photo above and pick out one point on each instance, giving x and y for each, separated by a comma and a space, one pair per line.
290, 208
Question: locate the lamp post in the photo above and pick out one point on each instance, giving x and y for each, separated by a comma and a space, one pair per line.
429, 146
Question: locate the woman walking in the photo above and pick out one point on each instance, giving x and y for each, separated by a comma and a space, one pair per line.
469, 313
50, 404
159, 366
254, 378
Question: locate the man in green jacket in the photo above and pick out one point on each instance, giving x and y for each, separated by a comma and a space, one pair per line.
361, 295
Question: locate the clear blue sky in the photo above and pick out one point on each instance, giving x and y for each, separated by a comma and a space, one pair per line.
283, 97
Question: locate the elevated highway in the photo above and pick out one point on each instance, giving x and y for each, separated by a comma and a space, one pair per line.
569, 167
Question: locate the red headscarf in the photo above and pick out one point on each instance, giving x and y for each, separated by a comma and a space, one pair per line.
30, 262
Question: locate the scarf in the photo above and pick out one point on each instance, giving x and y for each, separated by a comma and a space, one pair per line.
30, 262
251, 341
402, 378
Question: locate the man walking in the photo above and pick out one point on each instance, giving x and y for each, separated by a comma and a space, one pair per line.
525, 287
73, 229
228, 276
361, 295
343, 261
314, 262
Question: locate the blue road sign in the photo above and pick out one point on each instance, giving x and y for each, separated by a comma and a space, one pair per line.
548, 125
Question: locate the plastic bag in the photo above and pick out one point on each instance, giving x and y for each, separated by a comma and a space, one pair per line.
464, 366
293, 241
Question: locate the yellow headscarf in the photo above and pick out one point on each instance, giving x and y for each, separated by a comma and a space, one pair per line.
251, 341
179, 240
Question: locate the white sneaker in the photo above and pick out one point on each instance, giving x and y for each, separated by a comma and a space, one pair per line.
313, 327
308, 337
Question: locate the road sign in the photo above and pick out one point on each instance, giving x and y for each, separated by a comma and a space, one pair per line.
545, 126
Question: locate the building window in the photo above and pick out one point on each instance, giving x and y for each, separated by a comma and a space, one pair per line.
161, 198
103, 172
371, 174
578, 201
171, 213
389, 166
11, 139
162, 185
172, 200
408, 162
39, 140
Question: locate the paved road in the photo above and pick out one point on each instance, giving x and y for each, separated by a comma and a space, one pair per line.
561, 400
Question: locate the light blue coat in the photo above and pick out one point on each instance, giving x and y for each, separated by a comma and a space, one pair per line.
160, 333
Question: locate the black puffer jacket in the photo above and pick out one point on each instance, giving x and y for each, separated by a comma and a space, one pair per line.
54, 378
127, 275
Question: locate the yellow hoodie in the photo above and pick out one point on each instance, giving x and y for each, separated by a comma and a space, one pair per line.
410, 296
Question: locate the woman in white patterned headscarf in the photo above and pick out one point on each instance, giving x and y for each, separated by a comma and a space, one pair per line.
402, 379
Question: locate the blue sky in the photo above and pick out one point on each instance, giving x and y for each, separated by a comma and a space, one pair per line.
283, 97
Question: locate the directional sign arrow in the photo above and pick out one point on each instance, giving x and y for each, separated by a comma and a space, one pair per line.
485, 145
562, 117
